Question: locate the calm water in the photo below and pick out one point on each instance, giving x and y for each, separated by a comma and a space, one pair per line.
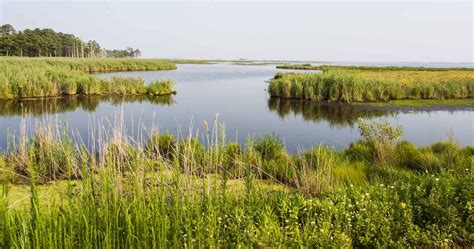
238, 95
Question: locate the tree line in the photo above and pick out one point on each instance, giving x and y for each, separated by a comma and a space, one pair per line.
47, 42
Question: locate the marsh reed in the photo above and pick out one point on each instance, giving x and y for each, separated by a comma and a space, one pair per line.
52, 77
202, 190
360, 84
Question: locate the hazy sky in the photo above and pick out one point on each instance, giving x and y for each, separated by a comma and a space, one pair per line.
439, 31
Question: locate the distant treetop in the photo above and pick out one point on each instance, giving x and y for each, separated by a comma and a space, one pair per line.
47, 42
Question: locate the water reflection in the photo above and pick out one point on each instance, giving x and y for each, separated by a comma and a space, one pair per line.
238, 94
335, 114
39, 107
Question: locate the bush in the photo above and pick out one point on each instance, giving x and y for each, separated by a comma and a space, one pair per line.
383, 136
192, 157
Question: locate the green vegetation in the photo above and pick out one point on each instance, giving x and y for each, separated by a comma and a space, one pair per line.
47, 42
255, 63
346, 84
191, 61
50, 77
393, 68
160, 87
298, 67
89, 65
178, 192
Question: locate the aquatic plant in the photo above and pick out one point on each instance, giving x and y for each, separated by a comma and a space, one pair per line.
115, 196
162, 146
358, 85
298, 67
160, 87
52, 77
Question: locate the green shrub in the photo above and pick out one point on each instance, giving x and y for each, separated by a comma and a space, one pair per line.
383, 136
51, 77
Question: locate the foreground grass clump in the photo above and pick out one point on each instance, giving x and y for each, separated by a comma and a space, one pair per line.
161, 87
180, 192
346, 84
51, 77
298, 67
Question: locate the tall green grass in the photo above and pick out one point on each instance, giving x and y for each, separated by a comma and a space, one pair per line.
393, 68
179, 192
88, 64
51, 77
358, 85
298, 67
308, 66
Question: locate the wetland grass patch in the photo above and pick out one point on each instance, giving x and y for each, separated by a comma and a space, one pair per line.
172, 191
52, 77
372, 84
298, 67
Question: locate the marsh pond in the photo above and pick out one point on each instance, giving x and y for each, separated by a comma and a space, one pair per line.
238, 95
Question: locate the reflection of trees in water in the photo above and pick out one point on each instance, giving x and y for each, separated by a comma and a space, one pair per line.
335, 114
37, 107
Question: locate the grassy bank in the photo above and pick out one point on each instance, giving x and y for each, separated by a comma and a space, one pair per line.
191, 61
87, 64
369, 84
298, 67
169, 191
51, 77
393, 68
